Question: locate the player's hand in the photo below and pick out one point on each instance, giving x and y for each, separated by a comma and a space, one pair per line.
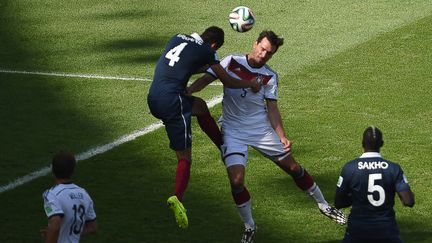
286, 144
257, 83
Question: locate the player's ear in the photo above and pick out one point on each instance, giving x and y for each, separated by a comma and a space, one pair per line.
214, 46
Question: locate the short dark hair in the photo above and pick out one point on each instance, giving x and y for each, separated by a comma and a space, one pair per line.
212, 35
372, 139
272, 37
63, 165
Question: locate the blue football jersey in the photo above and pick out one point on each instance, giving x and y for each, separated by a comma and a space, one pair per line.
372, 183
184, 55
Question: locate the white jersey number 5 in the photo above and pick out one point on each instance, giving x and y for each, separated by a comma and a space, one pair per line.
375, 188
173, 54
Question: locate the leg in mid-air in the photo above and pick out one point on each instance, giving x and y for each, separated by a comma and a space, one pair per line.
306, 183
175, 112
181, 181
242, 199
180, 134
206, 121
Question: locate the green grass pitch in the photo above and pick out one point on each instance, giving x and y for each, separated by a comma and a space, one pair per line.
344, 65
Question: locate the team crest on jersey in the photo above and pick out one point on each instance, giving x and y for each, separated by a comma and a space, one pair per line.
245, 73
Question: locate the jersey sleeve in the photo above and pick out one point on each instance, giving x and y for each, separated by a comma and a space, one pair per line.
52, 205
401, 183
342, 198
90, 214
224, 63
212, 58
271, 89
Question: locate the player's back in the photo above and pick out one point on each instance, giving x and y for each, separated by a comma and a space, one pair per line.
372, 182
74, 205
184, 55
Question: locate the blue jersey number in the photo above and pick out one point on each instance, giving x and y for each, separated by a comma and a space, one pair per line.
375, 188
174, 53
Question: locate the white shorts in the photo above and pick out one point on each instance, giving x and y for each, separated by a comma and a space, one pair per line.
265, 141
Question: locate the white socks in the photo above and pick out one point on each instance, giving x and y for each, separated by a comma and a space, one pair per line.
316, 194
245, 211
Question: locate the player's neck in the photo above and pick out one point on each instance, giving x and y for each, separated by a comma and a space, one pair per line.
252, 62
370, 151
63, 181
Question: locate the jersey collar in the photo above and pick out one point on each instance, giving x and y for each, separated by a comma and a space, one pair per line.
371, 155
197, 37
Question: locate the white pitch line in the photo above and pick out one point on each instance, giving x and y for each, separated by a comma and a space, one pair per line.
73, 75
95, 151
89, 76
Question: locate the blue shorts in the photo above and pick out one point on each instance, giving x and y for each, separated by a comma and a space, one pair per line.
175, 111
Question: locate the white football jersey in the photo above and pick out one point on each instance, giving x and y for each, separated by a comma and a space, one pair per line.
74, 205
243, 110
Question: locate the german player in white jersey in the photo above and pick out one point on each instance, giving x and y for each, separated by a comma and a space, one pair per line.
68, 207
253, 119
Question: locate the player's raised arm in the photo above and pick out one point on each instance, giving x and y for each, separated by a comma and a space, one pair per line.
203, 69
200, 83
231, 82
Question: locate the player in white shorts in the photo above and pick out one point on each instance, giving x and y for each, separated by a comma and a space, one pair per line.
253, 119
68, 207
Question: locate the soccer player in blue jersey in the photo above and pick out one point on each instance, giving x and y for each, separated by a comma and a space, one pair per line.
185, 55
369, 184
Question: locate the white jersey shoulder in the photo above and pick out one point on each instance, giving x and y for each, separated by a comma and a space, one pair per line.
74, 205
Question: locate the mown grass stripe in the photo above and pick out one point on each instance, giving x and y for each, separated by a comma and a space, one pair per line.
95, 151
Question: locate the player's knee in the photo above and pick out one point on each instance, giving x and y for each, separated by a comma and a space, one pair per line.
295, 169
290, 166
237, 183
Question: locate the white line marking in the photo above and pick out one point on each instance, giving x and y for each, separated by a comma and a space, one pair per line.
89, 76
73, 75
97, 150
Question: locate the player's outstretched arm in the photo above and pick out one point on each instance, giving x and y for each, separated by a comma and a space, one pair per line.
231, 82
200, 83
407, 198
203, 69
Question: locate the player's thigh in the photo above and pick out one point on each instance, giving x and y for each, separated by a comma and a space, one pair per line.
199, 107
175, 111
234, 151
268, 143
